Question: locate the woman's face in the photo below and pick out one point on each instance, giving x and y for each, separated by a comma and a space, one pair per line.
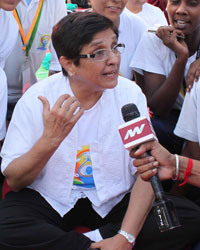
184, 15
8, 4
109, 8
98, 75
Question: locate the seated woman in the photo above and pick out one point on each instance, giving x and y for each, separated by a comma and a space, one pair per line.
63, 155
165, 62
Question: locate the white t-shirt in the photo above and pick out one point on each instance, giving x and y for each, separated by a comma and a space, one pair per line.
131, 29
3, 103
188, 125
52, 12
153, 56
152, 15
113, 171
8, 37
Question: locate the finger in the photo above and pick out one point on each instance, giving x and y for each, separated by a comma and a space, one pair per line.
197, 74
143, 161
74, 108
95, 245
142, 149
45, 103
60, 101
148, 174
77, 116
67, 103
189, 80
147, 167
179, 34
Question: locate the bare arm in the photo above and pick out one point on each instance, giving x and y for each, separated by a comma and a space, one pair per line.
58, 123
139, 79
140, 203
163, 162
161, 92
192, 150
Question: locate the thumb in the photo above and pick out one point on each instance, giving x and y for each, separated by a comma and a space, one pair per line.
95, 245
143, 148
46, 106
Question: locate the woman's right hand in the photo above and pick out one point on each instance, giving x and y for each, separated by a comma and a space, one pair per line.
160, 161
61, 118
169, 36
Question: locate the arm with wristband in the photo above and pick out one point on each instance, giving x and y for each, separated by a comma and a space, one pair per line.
167, 165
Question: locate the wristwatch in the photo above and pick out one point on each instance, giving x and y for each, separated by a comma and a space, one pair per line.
129, 237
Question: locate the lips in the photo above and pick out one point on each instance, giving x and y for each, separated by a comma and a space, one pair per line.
114, 8
180, 24
111, 73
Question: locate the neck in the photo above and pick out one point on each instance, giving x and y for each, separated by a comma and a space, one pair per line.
134, 7
193, 41
116, 22
86, 96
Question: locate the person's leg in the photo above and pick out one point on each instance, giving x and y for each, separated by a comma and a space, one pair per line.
28, 222
177, 239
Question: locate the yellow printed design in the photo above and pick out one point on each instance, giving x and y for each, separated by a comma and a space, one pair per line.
83, 171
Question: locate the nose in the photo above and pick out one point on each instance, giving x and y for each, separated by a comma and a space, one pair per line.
113, 58
182, 8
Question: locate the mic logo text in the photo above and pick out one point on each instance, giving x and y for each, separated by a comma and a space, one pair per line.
132, 132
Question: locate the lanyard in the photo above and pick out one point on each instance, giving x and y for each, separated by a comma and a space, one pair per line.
32, 31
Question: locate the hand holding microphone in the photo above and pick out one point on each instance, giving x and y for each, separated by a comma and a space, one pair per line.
135, 131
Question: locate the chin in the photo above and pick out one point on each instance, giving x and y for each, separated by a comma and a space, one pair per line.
9, 6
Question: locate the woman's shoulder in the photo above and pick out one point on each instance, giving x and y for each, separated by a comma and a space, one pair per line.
50, 86
125, 84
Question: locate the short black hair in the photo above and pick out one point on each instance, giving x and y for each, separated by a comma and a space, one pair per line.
77, 29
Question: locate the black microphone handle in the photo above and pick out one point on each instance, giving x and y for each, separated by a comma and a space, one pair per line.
156, 185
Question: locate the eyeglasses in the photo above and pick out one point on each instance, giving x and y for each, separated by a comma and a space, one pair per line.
102, 54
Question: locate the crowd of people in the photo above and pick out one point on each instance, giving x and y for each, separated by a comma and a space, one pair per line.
63, 159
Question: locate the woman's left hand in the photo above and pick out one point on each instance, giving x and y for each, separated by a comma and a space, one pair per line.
118, 242
193, 74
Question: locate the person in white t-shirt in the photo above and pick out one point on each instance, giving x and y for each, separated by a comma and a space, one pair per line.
131, 29
21, 69
8, 37
152, 15
63, 152
164, 59
69, 165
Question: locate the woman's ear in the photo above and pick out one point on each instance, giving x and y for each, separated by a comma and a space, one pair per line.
67, 64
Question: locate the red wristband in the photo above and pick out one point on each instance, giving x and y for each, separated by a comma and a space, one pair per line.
187, 172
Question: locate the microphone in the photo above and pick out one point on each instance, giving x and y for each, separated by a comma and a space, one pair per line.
135, 131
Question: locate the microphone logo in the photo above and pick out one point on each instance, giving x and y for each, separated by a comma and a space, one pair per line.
132, 132
136, 132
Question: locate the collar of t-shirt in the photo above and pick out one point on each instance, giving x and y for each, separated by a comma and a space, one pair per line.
28, 1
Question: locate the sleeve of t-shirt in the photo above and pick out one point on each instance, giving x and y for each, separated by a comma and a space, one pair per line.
149, 55
3, 103
24, 130
187, 125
